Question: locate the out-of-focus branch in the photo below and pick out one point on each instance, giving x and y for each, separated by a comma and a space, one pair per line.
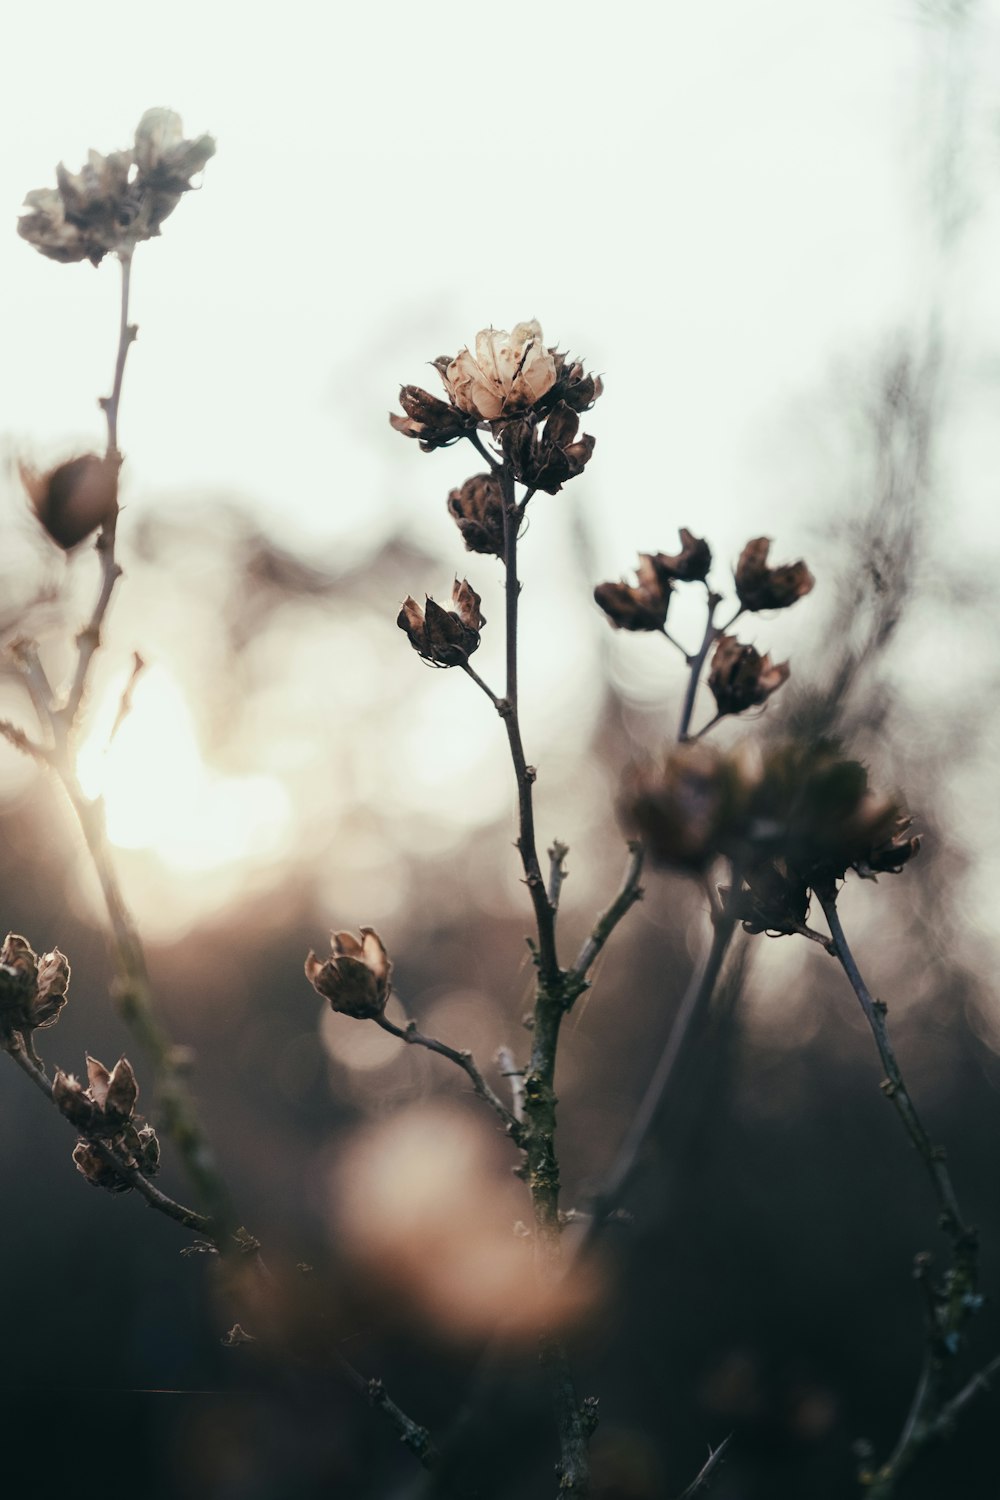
629, 892
703, 1479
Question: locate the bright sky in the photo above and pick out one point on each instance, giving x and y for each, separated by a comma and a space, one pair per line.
716, 204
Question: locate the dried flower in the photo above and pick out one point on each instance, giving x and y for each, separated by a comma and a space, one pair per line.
445, 637
545, 458
105, 1113
165, 163
115, 201
690, 807
692, 564
76, 497
32, 990
741, 678
356, 978
639, 606
509, 372
432, 421
477, 508
98, 1171
760, 587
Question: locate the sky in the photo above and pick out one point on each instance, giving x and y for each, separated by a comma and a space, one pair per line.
717, 205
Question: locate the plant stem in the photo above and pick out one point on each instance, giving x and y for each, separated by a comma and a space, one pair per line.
894, 1086
696, 663
703, 1478
461, 1060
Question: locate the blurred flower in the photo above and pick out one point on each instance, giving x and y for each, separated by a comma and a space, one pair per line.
639, 606
356, 978
690, 807
445, 637
115, 201
741, 678
32, 990
691, 564
545, 458
477, 508
76, 497
509, 372
761, 587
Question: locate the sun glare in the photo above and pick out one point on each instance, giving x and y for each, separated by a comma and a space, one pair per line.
161, 796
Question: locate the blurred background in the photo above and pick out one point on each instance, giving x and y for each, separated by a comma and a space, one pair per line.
774, 235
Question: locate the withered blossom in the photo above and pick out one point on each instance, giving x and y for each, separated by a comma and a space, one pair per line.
73, 499
444, 637
690, 807
105, 1112
477, 509
760, 587
356, 977
741, 678
432, 421
691, 564
508, 373
545, 457
639, 606
33, 990
115, 200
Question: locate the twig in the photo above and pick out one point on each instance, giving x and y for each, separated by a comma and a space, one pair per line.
557, 872
23, 742
629, 892
894, 1086
696, 997
89, 638
461, 1060
703, 1478
696, 663
509, 1070
491, 695
125, 704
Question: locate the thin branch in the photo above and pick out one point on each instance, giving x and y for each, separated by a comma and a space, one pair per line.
461, 1060
894, 1086
557, 872
509, 1070
696, 997
125, 704
703, 1478
491, 695
89, 639
675, 642
629, 892
477, 443
696, 663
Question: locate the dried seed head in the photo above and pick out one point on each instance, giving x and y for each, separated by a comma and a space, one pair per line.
116, 200
639, 606
356, 978
477, 508
75, 1102
51, 993
545, 457
433, 422
446, 638
741, 678
98, 1172
76, 497
692, 564
690, 807
114, 1093
760, 587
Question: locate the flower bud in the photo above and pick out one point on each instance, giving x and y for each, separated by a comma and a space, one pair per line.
98, 1172
356, 978
445, 637
72, 500
642, 606
477, 508
760, 587
114, 1093
74, 1101
741, 678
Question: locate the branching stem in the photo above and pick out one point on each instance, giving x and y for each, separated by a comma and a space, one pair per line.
462, 1060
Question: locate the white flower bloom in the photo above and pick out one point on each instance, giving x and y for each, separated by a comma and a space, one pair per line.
509, 372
